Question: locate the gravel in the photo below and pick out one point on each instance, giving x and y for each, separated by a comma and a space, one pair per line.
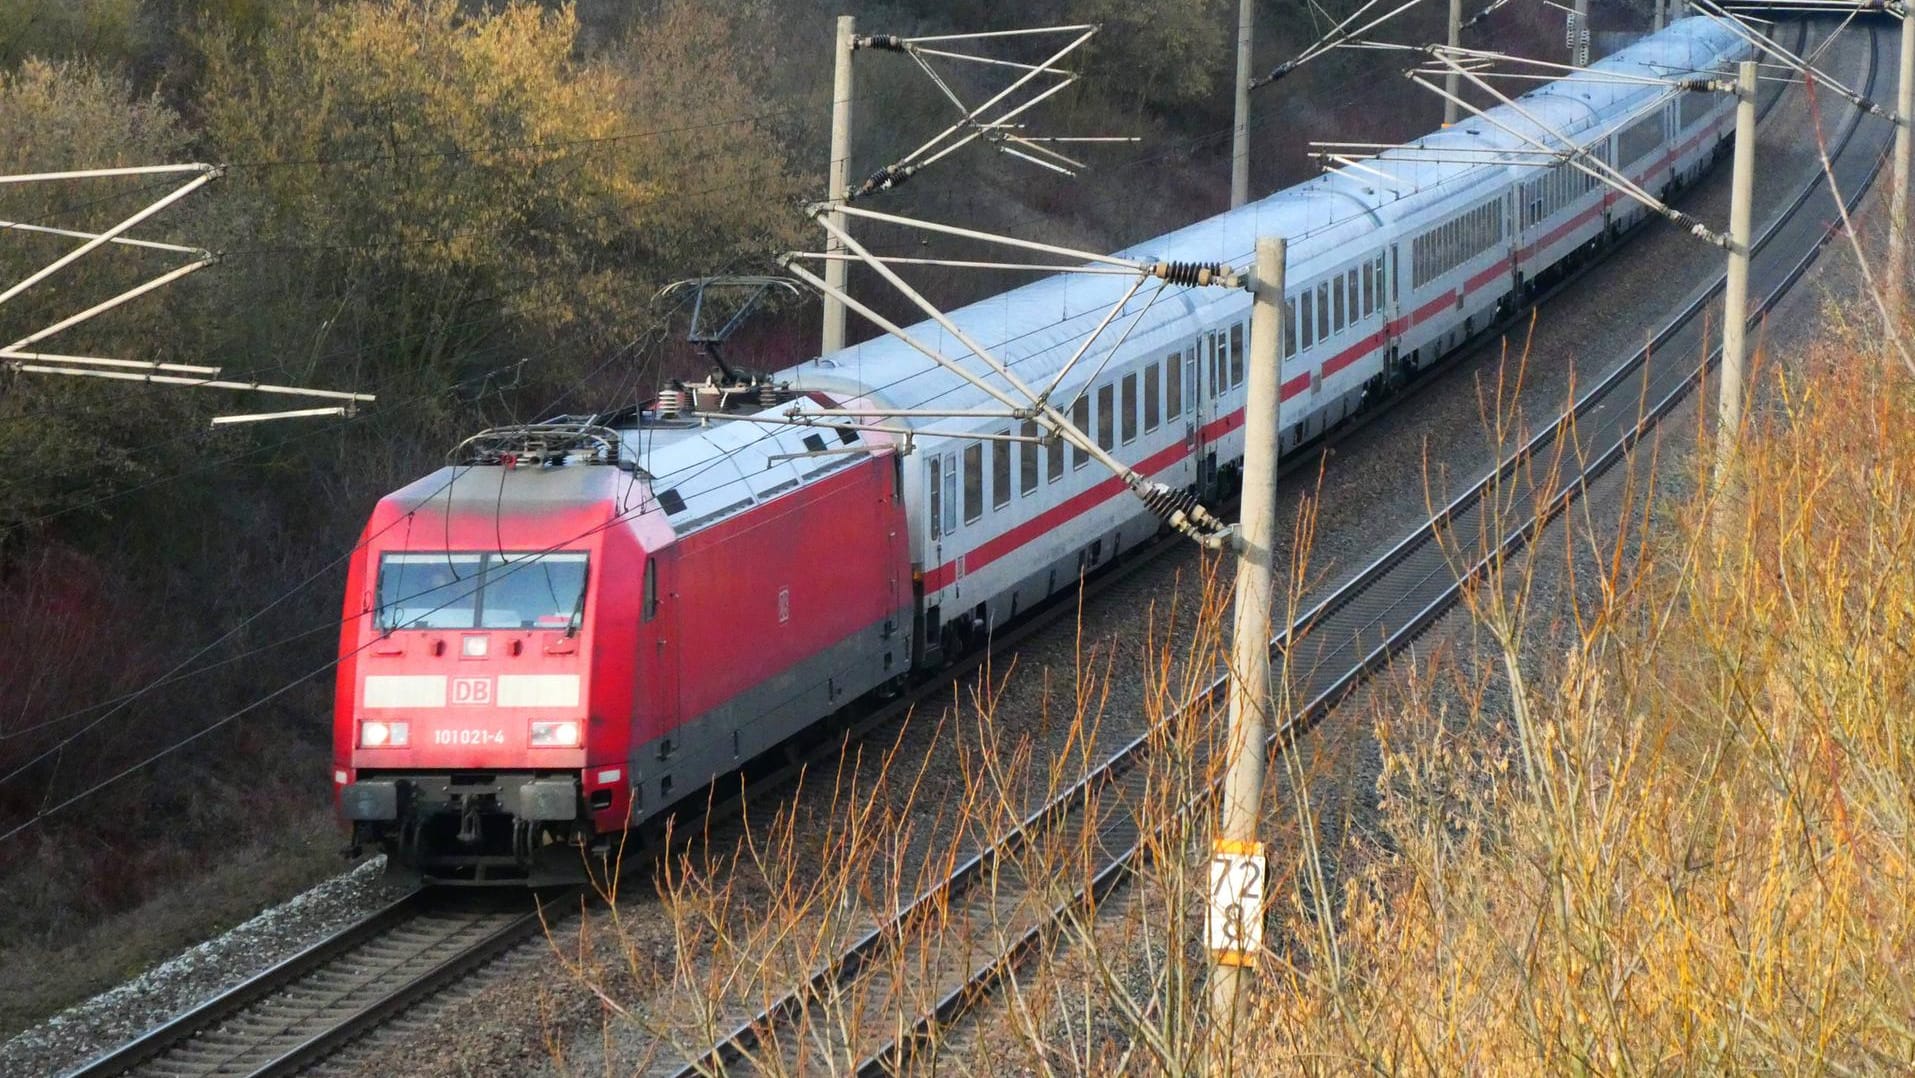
110, 1019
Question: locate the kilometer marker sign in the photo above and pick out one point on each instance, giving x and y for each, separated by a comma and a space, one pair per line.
1233, 926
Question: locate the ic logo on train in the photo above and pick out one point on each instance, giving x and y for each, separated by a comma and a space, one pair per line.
471, 691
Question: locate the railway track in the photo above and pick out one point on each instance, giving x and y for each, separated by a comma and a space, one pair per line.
1331, 649
303, 1010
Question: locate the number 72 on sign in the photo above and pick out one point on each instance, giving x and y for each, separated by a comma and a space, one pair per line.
1234, 923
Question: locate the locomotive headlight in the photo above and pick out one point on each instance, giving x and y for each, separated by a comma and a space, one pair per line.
555, 735
379, 735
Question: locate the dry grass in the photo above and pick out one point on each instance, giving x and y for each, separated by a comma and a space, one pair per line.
1652, 815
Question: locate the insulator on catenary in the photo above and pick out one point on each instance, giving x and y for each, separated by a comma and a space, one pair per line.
1276, 73
1188, 273
1182, 511
885, 179
892, 42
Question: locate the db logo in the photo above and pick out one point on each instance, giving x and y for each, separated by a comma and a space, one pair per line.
471, 691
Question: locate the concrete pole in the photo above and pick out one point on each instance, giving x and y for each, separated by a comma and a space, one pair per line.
1449, 80
1240, 129
1657, 24
838, 179
1735, 302
1250, 703
1898, 194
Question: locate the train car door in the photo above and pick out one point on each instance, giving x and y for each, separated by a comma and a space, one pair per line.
940, 483
655, 696
1199, 390
1181, 385
940, 521
1393, 324
1513, 245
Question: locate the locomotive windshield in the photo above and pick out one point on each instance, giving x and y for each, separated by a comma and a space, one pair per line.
523, 590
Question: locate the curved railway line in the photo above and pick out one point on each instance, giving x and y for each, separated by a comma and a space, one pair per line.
304, 1009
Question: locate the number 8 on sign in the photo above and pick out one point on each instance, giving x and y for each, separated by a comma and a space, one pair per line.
1233, 926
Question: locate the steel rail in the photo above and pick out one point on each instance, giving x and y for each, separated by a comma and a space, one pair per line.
230, 1002
247, 1029
1350, 596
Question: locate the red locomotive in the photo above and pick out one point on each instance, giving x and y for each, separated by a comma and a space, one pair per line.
536, 654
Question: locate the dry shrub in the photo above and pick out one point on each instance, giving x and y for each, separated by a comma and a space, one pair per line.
1649, 813
1683, 844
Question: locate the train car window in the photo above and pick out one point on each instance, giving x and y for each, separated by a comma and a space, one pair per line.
973, 482
1054, 454
1236, 354
1217, 383
650, 607
1001, 470
1336, 306
1638, 140
1369, 291
1289, 328
1027, 460
950, 494
1152, 375
1308, 322
1695, 107
1127, 409
1323, 311
428, 591
1104, 417
1173, 386
533, 591
934, 479
1080, 418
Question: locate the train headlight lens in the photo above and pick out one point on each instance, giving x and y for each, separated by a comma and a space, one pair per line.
380, 735
555, 735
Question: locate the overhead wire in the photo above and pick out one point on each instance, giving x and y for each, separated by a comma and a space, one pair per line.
176, 673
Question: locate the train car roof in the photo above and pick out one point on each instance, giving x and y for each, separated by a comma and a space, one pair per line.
1329, 220
720, 469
